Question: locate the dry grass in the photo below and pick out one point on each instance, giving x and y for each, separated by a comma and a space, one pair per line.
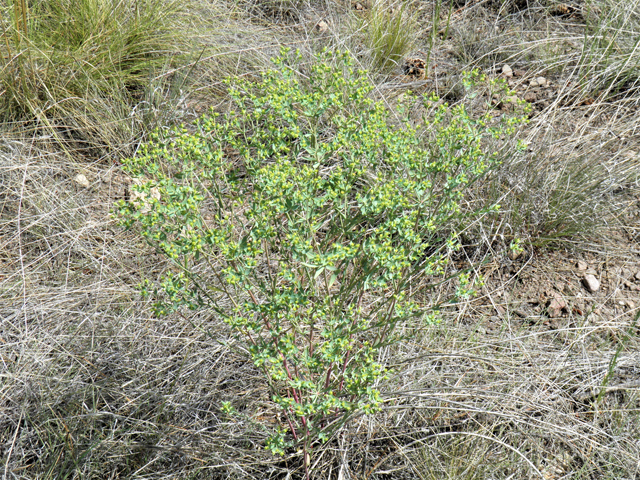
388, 31
94, 386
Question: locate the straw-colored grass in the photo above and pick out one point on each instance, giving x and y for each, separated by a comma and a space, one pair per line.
81, 68
93, 385
388, 30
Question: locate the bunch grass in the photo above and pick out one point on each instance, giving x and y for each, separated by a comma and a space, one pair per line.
389, 31
609, 63
79, 67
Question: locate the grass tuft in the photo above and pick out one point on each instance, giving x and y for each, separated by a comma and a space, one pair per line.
389, 31
609, 63
79, 67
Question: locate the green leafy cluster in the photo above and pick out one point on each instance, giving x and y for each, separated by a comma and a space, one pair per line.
302, 217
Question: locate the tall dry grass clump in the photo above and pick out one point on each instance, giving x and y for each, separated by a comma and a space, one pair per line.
388, 32
80, 67
609, 63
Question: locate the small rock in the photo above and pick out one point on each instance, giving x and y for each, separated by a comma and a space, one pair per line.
519, 73
631, 305
556, 305
591, 282
542, 81
533, 83
358, 6
515, 254
506, 71
81, 180
582, 265
141, 198
530, 97
637, 276
322, 26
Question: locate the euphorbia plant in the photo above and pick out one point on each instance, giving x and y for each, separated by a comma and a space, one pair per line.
302, 217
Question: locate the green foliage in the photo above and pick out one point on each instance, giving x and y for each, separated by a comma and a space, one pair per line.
303, 217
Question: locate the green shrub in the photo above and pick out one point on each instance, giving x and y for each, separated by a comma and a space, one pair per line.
303, 218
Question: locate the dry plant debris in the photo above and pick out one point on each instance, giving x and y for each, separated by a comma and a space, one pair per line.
536, 377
